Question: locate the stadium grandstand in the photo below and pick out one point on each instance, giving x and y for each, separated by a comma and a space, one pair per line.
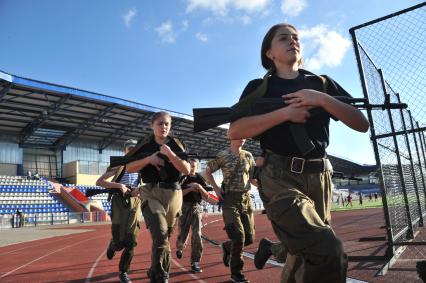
55, 141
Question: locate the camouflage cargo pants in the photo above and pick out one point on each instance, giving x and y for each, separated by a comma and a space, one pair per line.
126, 214
239, 225
298, 206
191, 218
160, 209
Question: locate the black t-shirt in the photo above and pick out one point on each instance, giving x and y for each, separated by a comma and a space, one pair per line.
193, 197
150, 174
279, 139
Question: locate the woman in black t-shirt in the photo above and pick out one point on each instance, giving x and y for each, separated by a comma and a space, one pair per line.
297, 185
161, 193
193, 192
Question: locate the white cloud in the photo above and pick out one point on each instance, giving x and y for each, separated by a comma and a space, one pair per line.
129, 16
185, 24
166, 33
245, 20
201, 37
222, 7
293, 7
328, 47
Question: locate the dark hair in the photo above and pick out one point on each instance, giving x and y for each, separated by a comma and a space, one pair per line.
158, 115
267, 63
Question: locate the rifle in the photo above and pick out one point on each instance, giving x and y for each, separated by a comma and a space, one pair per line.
207, 118
111, 192
123, 160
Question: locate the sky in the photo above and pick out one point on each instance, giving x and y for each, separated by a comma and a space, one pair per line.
182, 54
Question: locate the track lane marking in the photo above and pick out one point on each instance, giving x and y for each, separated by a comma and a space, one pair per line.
55, 251
188, 272
95, 264
49, 242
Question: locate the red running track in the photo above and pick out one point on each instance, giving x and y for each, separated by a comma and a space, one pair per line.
81, 257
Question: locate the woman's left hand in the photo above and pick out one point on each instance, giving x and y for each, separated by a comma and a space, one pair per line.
305, 98
164, 149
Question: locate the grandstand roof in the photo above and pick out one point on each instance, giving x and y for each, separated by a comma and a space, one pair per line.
46, 115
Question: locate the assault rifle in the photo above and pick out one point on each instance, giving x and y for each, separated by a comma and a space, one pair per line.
123, 160
111, 192
207, 118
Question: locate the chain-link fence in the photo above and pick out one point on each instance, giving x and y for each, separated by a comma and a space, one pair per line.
391, 55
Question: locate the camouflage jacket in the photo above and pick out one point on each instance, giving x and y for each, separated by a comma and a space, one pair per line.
243, 165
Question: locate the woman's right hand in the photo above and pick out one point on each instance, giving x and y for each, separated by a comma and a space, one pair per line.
156, 161
124, 190
296, 114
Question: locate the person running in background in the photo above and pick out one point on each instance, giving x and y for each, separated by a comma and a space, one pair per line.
237, 167
193, 192
297, 185
349, 198
125, 213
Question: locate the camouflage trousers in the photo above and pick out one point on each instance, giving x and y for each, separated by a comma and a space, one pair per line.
161, 208
239, 225
298, 206
126, 214
192, 214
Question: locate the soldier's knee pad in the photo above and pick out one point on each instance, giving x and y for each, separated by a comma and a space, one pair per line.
234, 233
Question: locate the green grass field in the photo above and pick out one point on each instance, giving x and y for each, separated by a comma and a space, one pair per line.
355, 205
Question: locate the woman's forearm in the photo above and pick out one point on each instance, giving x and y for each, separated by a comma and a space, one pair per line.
248, 127
136, 166
349, 115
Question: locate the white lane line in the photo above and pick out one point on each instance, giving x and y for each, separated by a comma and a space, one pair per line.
95, 264
47, 243
55, 251
89, 275
188, 272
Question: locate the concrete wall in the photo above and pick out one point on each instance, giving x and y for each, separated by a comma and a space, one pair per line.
8, 169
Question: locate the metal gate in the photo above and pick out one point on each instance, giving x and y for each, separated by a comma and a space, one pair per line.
390, 54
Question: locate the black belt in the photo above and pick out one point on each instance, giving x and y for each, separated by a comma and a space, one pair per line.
300, 165
163, 185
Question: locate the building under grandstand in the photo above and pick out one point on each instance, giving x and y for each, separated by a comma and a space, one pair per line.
68, 134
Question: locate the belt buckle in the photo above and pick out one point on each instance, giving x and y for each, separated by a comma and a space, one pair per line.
297, 159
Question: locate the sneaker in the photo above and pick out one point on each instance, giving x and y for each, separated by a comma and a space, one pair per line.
110, 253
124, 278
179, 254
226, 255
263, 253
195, 267
239, 278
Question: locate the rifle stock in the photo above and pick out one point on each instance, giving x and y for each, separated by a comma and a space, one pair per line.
207, 118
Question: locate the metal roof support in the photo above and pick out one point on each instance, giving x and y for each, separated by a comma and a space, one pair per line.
5, 90
121, 132
43, 117
82, 128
